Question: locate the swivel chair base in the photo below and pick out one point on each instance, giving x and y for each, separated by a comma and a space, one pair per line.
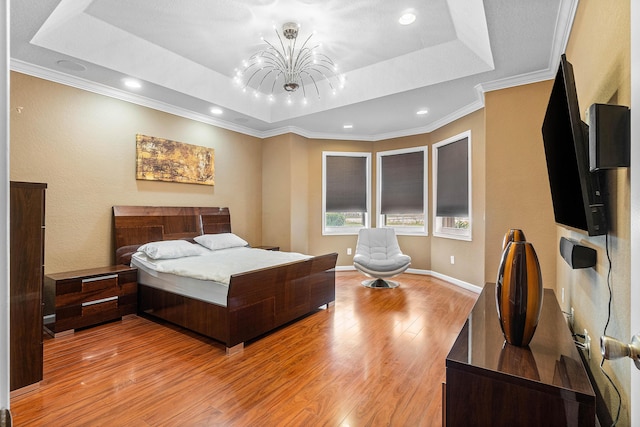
380, 283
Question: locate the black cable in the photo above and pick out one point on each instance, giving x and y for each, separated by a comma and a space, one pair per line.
605, 329
617, 392
608, 283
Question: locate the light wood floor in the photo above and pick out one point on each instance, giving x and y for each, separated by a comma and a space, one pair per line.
376, 357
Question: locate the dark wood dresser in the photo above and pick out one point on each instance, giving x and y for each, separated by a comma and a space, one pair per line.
88, 297
492, 383
26, 224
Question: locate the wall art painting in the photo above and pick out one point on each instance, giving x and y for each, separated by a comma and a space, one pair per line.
160, 159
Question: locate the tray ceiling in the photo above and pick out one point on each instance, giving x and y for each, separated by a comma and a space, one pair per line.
185, 55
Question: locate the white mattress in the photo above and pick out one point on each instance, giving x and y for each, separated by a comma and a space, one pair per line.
204, 290
206, 277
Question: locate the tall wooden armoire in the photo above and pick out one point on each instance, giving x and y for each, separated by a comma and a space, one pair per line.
27, 202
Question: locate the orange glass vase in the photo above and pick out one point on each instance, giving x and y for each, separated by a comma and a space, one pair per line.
513, 235
519, 292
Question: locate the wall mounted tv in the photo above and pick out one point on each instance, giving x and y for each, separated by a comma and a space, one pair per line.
575, 191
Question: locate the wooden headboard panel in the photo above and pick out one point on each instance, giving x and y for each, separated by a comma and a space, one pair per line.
136, 225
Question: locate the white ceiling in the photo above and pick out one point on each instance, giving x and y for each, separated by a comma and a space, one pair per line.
185, 53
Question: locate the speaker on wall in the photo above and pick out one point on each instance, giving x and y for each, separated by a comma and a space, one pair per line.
577, 256
609, 136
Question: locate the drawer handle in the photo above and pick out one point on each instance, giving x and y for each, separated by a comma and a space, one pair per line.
99, 301
95, 279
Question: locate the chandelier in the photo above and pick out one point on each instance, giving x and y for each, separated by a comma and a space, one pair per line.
284, 65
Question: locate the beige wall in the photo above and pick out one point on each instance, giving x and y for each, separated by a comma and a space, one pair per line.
467, 254
285, 187
276, 191
599, 49
83, 146
299, 194
518, 193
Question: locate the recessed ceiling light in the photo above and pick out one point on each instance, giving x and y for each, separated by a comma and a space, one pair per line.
422, 112
407, 19
348, 126
71, 65
132, 83
217, 111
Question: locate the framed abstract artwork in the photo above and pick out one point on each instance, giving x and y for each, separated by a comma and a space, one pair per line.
159, 159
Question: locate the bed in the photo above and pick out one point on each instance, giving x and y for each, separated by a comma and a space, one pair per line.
256, 301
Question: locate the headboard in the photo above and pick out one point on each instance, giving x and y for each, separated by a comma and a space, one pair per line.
136, 225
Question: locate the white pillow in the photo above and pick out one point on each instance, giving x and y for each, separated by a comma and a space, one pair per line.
220, 241
167, 249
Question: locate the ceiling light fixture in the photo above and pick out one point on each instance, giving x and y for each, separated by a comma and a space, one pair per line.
215, 110
133, 84
407, 19
290, 67
71, 65
422, 112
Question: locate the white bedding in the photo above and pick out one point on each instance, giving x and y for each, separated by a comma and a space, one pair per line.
219, 265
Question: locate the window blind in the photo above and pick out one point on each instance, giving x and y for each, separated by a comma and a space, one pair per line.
402, 183
346, 184
452, 197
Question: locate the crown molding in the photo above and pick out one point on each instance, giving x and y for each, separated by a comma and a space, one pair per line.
100, 89
79, 83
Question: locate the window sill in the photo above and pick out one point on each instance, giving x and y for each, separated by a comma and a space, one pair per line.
454, 236
345, 232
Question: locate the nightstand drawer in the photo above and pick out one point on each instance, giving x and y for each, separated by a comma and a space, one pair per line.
88, 297
77, 290
99, 283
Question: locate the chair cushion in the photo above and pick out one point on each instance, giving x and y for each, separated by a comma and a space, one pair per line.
378, 251
384, 265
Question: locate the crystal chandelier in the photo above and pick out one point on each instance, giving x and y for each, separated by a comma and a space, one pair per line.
285, 65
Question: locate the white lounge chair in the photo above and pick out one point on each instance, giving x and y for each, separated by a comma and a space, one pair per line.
378, 256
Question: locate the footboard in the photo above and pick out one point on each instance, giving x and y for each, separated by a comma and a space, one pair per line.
261, 300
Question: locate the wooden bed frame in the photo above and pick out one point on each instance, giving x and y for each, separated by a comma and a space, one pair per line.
257, 302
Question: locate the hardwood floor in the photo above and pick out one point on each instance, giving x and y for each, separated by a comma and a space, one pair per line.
376, 357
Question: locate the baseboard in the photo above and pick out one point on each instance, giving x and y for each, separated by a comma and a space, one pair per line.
453, 281
459, 283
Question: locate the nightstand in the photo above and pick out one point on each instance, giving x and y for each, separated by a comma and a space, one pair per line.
268, 248
88, 297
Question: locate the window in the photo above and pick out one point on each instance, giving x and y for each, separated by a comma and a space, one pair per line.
402, 190
452, 187
346, 197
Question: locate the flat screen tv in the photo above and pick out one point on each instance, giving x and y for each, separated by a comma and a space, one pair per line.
575, 191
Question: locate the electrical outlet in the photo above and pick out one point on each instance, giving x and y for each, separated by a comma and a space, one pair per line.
453, 259
587, 343
348, 251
